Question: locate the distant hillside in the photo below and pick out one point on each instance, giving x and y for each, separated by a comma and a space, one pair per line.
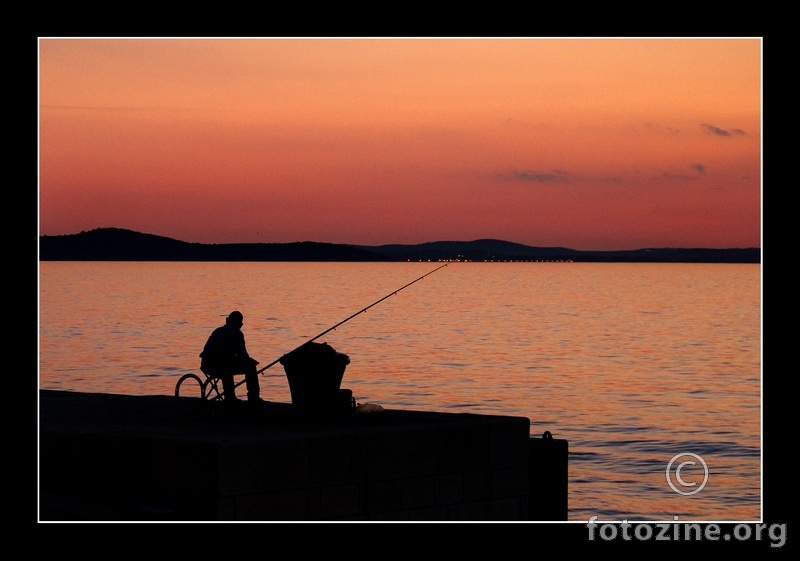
116, 244
478, 250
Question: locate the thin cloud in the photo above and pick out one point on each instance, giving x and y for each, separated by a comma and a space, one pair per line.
699, 169
722, 132
555, 176
563, 177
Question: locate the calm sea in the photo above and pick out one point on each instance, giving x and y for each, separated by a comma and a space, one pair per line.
633, 364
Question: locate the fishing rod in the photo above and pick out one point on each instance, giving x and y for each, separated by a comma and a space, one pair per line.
361, 311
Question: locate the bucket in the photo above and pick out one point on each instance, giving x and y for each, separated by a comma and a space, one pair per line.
315, 372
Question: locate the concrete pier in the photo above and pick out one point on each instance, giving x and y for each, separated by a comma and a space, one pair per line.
106, 457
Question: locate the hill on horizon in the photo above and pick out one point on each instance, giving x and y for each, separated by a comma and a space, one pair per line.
118, 244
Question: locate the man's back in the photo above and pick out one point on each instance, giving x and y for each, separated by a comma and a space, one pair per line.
224, 343
223, 352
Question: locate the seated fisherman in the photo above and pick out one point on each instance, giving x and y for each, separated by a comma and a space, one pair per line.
225, 354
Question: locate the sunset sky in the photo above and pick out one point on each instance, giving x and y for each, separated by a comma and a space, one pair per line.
579, 143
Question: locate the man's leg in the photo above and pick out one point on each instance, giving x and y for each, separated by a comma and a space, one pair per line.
247, 366
228, 387
251, 380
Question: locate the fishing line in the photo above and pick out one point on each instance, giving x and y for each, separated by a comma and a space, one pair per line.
361, 311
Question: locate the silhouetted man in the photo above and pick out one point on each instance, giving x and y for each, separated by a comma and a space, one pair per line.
225, 354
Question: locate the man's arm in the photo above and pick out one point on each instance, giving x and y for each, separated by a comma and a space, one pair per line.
243, 348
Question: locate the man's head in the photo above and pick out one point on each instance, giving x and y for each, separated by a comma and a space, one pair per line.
235, 318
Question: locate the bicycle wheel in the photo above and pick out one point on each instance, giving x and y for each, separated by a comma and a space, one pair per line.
210, 390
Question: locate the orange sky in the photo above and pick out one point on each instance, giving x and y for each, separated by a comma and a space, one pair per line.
580, 143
